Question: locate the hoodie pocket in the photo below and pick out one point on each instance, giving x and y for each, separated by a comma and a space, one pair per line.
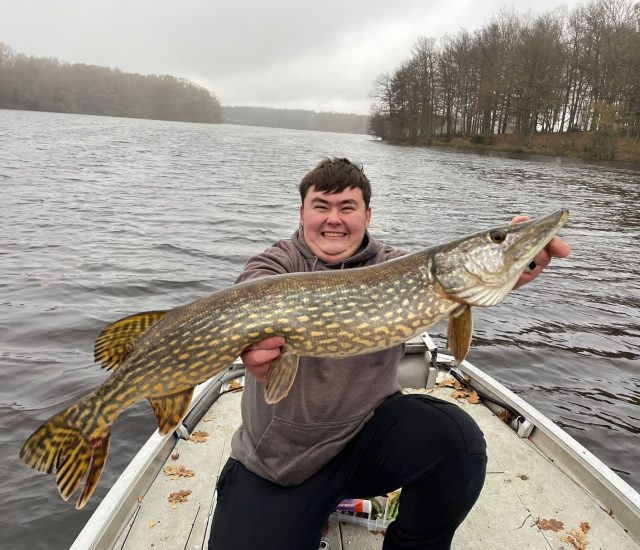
292, 451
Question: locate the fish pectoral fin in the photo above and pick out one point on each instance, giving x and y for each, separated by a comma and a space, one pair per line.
280, 377
117, 339
459, 332
170, 409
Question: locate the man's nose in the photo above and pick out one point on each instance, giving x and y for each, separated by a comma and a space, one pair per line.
334, 217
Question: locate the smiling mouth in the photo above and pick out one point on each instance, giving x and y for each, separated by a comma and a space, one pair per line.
332, 234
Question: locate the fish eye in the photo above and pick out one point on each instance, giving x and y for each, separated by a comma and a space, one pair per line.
498, 235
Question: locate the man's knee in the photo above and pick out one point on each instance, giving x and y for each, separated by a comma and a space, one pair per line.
433, 421
448, 442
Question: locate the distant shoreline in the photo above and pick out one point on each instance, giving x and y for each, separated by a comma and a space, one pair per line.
580, 145
263, 117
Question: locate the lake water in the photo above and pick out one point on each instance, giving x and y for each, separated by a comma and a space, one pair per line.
104, 217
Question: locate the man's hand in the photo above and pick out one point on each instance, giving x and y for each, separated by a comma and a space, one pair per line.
556, 248
257, 358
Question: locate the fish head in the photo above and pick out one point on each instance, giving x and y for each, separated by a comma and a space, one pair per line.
481, 269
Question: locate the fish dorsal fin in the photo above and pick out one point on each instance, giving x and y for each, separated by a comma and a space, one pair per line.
118, 339
170, 409
459, 332
280, 377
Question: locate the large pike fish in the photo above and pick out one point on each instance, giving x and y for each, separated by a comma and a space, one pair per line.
162, 356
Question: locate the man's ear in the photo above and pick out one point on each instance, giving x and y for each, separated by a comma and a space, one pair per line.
301, 214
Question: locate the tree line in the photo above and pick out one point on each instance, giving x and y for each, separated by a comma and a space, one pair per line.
297, 119
47, 84
562, 71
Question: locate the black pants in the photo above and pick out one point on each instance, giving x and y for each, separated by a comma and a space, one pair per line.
430, 448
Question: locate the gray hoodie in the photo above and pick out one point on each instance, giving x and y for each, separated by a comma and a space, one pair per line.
330, 400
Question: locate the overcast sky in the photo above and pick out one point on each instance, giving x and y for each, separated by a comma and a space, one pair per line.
320, 55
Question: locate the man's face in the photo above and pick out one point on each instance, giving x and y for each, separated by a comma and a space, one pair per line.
334, 225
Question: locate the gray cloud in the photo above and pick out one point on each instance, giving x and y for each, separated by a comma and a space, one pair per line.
284, 53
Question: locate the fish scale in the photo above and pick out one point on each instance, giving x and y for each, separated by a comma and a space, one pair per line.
162, 356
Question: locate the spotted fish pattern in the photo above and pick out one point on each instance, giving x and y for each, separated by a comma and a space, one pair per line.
161, 356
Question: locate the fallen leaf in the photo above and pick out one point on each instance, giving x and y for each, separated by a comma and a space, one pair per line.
505, 416
450, 382
180, 496
152, 523
207, 419
474, 398
199, 436
175, 456
549, 524
577, 537
175, 472
234, 385
470, 395
140, 498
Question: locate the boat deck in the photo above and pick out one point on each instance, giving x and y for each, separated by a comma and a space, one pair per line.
522, 486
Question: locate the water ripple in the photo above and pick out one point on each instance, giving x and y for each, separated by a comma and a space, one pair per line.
104, 217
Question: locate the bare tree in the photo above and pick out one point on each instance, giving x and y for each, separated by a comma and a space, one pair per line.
560, 71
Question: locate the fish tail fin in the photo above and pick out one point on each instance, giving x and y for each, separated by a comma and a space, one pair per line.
98, 460
59, 447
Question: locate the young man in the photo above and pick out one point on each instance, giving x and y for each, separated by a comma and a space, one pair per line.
344, 430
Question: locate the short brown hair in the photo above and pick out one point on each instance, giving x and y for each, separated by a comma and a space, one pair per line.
334, 175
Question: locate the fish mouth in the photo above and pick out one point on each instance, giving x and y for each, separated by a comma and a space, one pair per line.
535, 235
493, 261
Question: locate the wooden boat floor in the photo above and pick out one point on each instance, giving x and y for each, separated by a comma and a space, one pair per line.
522, 486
